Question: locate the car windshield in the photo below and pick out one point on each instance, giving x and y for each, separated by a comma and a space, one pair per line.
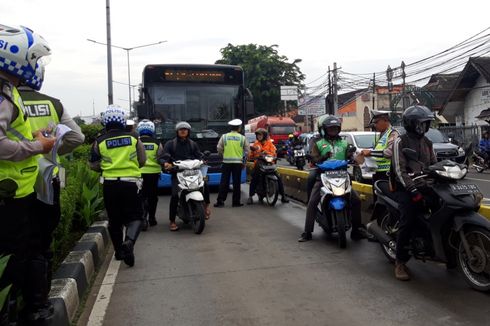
282, 130
365, 141
436, 136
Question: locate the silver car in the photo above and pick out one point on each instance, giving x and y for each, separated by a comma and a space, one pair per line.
361, 140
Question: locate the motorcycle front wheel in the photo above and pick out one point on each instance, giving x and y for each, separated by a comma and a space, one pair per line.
198, 216
476, 269
340, 218
271, 191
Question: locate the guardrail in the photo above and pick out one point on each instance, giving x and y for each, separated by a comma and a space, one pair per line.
295, 186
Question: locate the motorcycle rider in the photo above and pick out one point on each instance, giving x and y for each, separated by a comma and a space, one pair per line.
19, 148
150, 172
177, 149
331, 147
119, 156
263, 145
410, 196
484, 146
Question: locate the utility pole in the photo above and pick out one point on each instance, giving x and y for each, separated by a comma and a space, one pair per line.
335, 89
404, 75
328, 107
374, 90
109, 53
389, 77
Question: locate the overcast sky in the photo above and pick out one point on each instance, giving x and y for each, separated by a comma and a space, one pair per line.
361, 36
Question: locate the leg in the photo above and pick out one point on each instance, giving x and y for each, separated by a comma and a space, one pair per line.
152, 193
358, 229
408, 215
280, 184
174, 201
236, 175
133, 214
311, 181
112, 205
253, 181
224, 184
311, 212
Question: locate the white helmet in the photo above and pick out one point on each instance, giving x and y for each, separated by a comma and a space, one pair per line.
145, 127
182, 125
20, 51
36, 82
114, 116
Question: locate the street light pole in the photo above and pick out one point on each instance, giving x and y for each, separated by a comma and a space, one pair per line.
109, 53
129, 67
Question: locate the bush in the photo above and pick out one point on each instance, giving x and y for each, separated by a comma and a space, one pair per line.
91, 132
4, 293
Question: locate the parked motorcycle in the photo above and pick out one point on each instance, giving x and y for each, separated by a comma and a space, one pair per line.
191, 207
450, 229
267, 184
479, 162
333, 214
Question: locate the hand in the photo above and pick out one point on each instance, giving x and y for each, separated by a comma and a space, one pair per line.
416, 196
366, 152
167, 166
326, 156
47, 143
254, 148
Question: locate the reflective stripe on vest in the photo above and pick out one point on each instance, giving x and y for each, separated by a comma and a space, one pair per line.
233, 147
119, 157
22, 173
338, 149
151, 165
382, 144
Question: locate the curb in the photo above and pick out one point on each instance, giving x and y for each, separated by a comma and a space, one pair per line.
72, 279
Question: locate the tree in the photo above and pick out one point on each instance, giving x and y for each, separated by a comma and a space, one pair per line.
265, 71
79, 121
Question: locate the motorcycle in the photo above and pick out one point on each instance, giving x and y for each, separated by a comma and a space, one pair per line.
191, 207
297, 157
267, 183
480, 163
333, 214
450, 230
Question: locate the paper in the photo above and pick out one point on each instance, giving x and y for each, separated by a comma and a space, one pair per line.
47, 164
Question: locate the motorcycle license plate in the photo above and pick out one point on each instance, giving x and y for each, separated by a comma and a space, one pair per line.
464, 189
188, 173
336, 174
299, 153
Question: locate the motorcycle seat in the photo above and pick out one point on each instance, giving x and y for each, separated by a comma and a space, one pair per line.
383, 186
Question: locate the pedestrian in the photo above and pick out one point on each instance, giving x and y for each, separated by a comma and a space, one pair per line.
150, 171
19, 148
233, 146
45, 113
119, 156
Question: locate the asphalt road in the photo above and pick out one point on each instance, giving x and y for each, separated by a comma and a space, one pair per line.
247, 268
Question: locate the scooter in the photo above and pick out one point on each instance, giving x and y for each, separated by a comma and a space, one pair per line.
333, 213
191, 207
480, 163
267, 184
450, 230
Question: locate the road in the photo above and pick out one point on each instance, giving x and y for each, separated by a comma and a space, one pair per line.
247, 268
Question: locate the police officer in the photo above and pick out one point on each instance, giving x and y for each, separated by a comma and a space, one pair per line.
383, 149
233, 146
119, 156
19, 168
151, 171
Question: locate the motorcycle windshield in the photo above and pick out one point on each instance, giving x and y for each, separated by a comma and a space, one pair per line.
332, 165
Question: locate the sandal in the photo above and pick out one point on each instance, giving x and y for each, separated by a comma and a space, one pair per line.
208, 212
173, 227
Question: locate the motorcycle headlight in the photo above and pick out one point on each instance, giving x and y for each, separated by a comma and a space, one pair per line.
269, 158
338, 191
452, 172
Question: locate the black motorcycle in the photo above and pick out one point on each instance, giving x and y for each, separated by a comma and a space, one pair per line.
450, 229
297, 156
267, 183
479, 162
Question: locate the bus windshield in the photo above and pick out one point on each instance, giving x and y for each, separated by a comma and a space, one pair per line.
208, 108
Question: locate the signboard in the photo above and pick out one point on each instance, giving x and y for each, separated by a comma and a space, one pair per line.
311, 105
485, 95
289, 93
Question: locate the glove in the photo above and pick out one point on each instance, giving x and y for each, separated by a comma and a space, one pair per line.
326, 156
416, 196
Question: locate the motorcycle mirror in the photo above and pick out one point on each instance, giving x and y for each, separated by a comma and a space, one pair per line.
410, 154
351, 149
207, 153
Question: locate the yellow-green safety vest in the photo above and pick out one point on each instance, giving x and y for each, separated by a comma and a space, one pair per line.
382, 144
119, 156
17, 179
233, 147
338, 148
151, 149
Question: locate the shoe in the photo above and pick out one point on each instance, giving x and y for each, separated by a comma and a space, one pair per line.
305, 236
118, 255
152, 221
144, 225
127, 248
219, 204
250, 201
173, 227
38, 315
360, 233
402, 272
284, 200
237, 205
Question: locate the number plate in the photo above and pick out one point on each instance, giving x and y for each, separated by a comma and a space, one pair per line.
299, 153
188, 173
336, 174
464, 189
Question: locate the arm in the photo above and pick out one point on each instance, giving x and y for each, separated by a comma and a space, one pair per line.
140, 153
72, 139
400, 164
14, 150
315, 154
246, 148
221, 145
433, 157
95, 157
160, 153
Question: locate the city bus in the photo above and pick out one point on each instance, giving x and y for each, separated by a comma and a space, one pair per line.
206, 96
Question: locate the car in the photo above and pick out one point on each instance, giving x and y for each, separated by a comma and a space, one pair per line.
444, 149
361, 140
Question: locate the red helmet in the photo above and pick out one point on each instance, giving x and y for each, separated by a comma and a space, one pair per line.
296, 134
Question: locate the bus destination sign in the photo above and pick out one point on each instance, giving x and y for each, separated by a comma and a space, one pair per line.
194, 75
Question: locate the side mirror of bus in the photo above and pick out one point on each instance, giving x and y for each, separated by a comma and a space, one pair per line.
249, 103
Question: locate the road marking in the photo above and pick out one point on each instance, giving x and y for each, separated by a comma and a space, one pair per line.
476, 179
104, 296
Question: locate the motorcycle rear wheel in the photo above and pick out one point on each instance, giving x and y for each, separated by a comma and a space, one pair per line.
198, 216
271, 191
341, 221
387, 225
477, 271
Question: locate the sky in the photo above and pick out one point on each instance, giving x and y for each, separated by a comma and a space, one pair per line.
361, 36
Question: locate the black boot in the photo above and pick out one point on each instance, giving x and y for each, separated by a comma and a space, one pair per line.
127, 248
305, 236
152, 221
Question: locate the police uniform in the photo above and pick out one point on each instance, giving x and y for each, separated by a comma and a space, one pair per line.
233, 146
151, 173
119, 156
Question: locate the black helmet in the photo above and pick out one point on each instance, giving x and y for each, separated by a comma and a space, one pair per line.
328, 122
262, 131
416, 119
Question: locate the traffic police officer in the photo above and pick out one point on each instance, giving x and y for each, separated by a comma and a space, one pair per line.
150, 171
119, 156
233, 146
19, 58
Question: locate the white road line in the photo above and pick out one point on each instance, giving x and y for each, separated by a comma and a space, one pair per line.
104, 296
476, 179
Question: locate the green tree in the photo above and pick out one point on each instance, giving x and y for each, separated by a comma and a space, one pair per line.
79, 121
265, 71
